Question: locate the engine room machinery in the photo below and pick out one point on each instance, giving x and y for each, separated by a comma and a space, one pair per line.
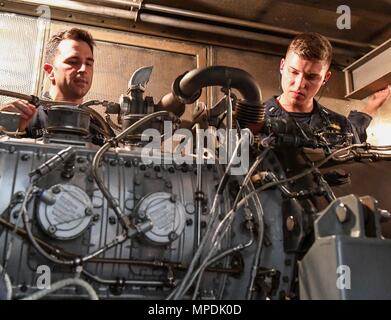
120, 221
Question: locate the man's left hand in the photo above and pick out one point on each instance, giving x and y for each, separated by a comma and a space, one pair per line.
377, 100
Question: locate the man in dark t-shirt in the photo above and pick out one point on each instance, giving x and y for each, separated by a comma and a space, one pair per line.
69, 65
304, 70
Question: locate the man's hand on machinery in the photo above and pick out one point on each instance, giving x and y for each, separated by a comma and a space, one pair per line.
25, 109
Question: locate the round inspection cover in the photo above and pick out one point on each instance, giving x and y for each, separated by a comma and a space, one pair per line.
69, 215
167, 214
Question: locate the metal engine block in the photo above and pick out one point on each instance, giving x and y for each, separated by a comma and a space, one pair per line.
70, 217
73, 213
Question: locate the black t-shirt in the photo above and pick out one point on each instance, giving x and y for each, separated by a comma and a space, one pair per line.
301, 117
321, 118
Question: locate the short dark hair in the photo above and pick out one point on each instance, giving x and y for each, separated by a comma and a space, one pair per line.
312, 46
73, 34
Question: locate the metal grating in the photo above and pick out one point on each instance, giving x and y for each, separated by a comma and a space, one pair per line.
21, 41
114, 65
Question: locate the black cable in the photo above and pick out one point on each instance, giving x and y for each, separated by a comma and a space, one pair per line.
300, 175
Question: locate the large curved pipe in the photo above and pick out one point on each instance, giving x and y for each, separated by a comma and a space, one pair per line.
187, 88
191, 83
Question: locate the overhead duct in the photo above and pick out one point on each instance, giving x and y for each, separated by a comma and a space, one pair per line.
84, 7
120, 4
189, 20
238, 23
370, 73
216, 29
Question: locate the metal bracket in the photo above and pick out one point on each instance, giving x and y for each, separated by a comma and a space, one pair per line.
136, 9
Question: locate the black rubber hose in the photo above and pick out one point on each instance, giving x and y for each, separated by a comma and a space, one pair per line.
187, 88
193, 81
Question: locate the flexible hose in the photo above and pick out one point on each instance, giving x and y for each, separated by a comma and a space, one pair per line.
7, 282
187, 88
216, 239
199, 272
64, 283
95, 165
213, 215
